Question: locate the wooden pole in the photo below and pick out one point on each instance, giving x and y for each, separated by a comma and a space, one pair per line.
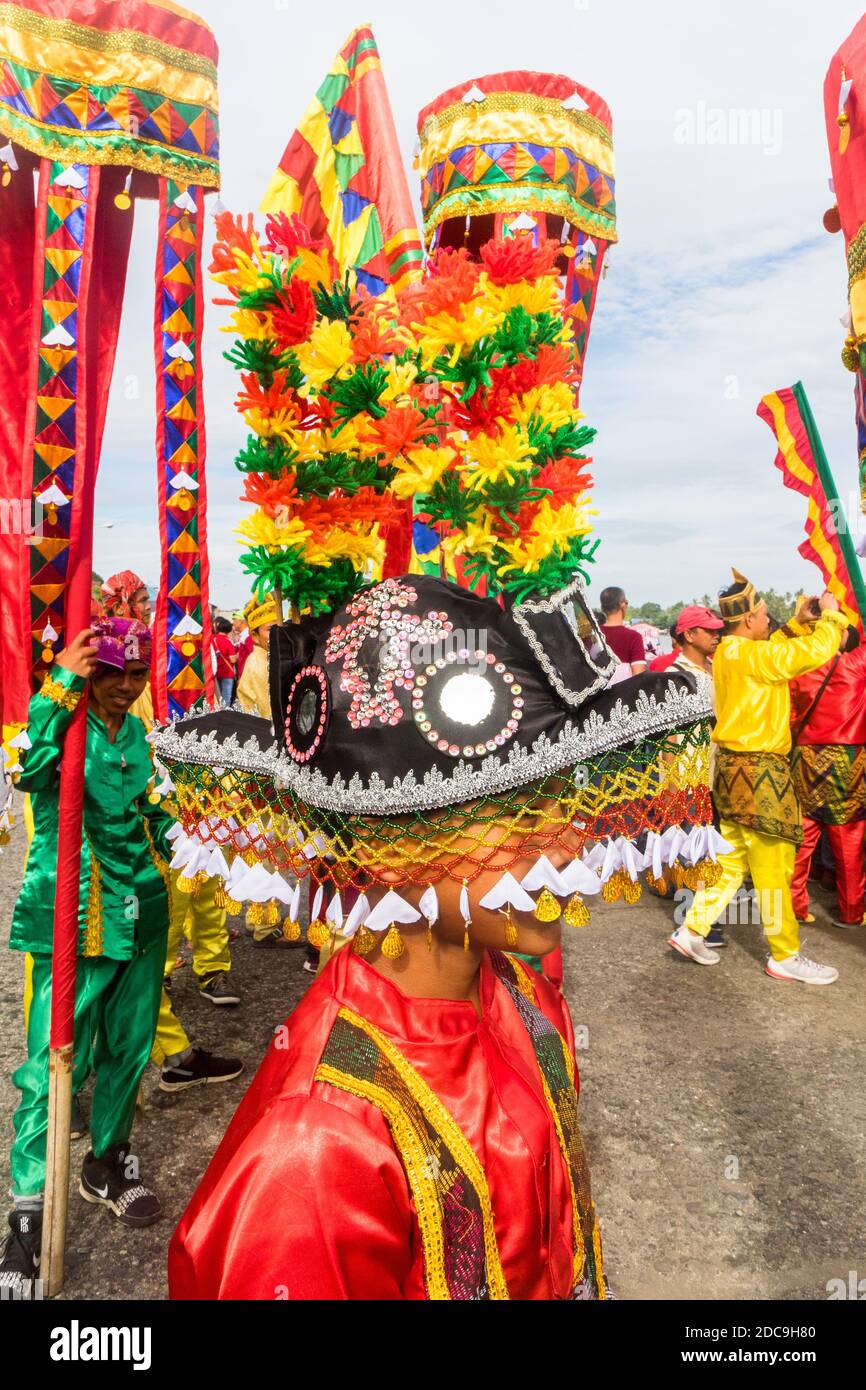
57, 1169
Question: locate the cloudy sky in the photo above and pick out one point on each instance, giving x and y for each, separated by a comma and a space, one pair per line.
724, 285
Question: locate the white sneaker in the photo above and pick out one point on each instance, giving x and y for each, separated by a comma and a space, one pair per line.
692, 945
803, 969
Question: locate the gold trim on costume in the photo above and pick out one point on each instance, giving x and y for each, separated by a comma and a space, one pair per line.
417, 1162
93, 921
58, 694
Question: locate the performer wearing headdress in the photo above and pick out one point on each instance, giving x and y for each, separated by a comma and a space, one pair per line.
123, 916
450, 753
253, 693
753, 788
125, 595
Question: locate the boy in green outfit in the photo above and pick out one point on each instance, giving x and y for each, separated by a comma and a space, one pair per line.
123, 925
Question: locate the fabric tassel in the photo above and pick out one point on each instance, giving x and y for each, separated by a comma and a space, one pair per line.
429, 905
317, 932
256, 915
510, 931
547, 909
291, 929
272, 913
576, 912
393, 945
364, 942
613, 889
466, 913
318, 935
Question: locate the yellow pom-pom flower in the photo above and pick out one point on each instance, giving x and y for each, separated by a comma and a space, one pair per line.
327, 352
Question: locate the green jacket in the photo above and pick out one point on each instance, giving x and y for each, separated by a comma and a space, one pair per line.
123, 904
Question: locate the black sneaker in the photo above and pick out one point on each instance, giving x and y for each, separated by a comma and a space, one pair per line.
78, 1122
715, 938
19, 1264
108, 1182
201, 1069
218, 990
276, 941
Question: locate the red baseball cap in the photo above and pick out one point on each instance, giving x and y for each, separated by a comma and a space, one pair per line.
696, 616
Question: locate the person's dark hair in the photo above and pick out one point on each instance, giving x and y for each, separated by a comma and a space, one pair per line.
774, 624
676, 637
222, 627
610, 600
732, 590
852, 639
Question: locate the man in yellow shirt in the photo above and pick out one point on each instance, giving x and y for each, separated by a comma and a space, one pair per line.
253, 689
753, 791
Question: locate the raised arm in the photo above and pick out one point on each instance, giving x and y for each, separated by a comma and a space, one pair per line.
51, 711
782, 661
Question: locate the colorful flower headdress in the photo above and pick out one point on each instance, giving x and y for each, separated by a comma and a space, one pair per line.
452, 401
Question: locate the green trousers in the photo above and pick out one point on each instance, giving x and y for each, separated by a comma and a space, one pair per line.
116, 1007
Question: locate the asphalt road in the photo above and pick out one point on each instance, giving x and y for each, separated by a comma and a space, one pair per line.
724, 1113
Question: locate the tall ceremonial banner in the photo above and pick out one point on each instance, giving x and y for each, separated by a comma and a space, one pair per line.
183, 670
101, 102
342, 172
523, 151
105, 101
804, 468
845, 117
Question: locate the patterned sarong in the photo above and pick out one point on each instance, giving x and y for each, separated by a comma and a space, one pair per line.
757, 790
830, 780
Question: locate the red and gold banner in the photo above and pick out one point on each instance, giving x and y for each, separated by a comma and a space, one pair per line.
183, 670
804, 468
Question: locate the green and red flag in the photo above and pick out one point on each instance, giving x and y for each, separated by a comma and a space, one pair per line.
343, 174
804, 467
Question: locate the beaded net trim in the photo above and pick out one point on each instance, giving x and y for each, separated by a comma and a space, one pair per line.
651, 785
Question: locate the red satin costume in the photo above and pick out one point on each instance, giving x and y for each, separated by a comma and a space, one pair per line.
837, 722
306, 1197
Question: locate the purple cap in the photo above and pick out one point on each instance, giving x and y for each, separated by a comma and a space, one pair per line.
121, 640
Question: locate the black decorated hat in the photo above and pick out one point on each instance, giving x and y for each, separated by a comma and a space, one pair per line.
419, 694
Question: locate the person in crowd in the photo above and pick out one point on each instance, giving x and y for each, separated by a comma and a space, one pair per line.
242, 639
123, 926
125, 595
698, 633
667, 659
226, 660
626, 644
253, 689
753, 788
828, 714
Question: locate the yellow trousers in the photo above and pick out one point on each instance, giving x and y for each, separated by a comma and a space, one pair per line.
771, 865
205, 924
